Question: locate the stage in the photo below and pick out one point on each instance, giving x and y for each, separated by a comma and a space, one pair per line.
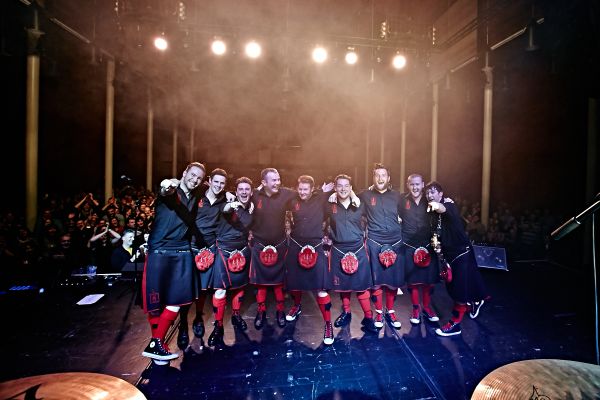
538, 310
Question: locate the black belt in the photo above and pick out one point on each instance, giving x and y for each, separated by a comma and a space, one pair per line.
169, 251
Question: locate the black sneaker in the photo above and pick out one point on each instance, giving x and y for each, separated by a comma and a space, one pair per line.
294, 313
390, 317
475, 308
216, 337
430, 315
343, 320
280, 317
183, 338
260, 320
238, 322
156, 350
369, 325
198, 327
450, 329
328, 334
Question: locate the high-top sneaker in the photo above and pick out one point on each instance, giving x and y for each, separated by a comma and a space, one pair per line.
157, 350
475, 308
328, 334
415, 315
378, 319
450, 329
294, 313
390, 317
430, 315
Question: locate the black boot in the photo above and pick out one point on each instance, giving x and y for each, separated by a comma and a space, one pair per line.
198, 327
238, 322
343, 320
260, 320
216, 337
280, 316
183, 338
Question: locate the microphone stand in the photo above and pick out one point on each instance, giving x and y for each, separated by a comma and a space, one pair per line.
569, 226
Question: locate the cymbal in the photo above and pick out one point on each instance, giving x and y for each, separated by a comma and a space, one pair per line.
70, 386
545, 379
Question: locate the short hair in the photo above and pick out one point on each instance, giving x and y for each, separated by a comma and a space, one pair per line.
196, 164
377, 166
411, 176
218, 171
126, 231
434, 185
264, 172
243, 179
343, 176
306, 179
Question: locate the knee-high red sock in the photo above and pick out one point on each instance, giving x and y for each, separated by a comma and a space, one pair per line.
363, 299
427, 291
458, 312
261, 297
325, 307
200, 304
153, 320
279, 297
297, 295
164, 322
378, 298
345, 296
236, 300
414, 294
390, 298
219, 309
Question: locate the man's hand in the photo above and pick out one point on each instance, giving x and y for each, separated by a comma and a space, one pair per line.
448, 200
327, 187
332, 198
168, 186
354, 199
435, 206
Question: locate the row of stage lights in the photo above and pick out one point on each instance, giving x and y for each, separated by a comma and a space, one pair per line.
253, 50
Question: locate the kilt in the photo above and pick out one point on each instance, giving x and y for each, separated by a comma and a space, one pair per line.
415, 274
392, 276
205, 278
299, 278
467, 284
261, 274
341, 281
170, 279
223, 278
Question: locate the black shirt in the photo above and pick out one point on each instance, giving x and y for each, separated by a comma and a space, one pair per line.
268, 224
416, 230
345, 224
173, 215
308, 216
382, 210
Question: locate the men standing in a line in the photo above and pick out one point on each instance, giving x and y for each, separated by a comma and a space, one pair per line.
463, 280
420, 261
169, 280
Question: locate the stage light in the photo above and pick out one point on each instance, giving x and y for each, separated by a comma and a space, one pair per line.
218, 47
253, 49
161, 43
399, 61
351, 56
319, 55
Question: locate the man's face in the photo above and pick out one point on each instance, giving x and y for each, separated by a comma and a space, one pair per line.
243, 192
343, 189
192, 177
415, 186
131, 223
304, 190
381, 179
433, 195
65, 241
217, 184
271, 182
128, 239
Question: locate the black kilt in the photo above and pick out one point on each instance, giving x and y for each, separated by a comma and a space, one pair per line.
223, 278
415, 274
467, 284
300, 278
205, 278
393, 276
170, 279
357, 282
264, 275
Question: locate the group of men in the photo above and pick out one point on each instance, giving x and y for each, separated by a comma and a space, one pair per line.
209, 241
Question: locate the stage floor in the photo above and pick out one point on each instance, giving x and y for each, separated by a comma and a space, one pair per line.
538, 310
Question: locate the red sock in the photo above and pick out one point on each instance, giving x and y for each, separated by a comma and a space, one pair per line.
365, 304
414, 294
378, 298
219, 309
279, 297
458, 312
200, 304
164, 322
325, 307
236, 300
345, 296
427, 291
390, 298
261, 297
297, 295
153, 320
